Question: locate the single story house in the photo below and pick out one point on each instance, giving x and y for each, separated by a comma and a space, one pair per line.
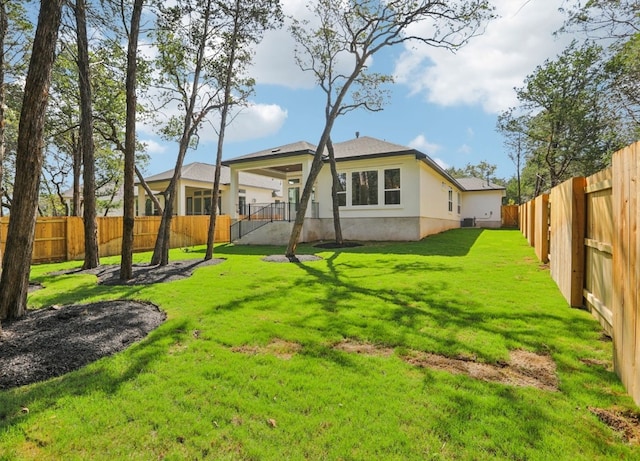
193, 191
388, 192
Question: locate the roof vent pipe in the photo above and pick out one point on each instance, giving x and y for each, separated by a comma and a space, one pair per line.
357, 134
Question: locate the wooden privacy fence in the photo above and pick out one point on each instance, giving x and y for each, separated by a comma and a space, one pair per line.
587, 228
62, 239
510, 215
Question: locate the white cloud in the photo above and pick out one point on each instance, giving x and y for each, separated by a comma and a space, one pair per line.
256, 121
444, 165
274, 61
421, 143
154, 147
464, 149
487, 69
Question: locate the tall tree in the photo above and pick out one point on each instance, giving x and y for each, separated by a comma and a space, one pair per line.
126, 269
336, 187
4, 28
564, 113
481, 170
14, 281
87, 146
358, 29
247, 22
187, 38
14, 44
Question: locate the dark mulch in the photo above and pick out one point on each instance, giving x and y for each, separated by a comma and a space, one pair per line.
51, 342
144, 274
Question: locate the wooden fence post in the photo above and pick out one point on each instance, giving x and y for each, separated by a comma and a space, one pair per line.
567, 238
542, 227
531, 222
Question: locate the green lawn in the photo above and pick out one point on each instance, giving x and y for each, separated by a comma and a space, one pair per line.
245, 366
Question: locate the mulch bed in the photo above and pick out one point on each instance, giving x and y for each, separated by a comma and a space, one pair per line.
50, 342
144, 274
46, 343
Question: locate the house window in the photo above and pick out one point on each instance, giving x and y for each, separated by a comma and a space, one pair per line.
189, 205
459, 203
342, 189
364, 188
392, 187
450, 199
197, 205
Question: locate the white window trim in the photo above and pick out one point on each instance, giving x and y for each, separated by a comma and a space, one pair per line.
381, 190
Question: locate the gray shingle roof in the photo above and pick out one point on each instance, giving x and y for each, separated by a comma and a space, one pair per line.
477, 184
288, 150
358, 148
368, 147
204, 172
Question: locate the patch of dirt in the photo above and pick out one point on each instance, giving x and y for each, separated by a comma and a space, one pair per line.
145, 274
277, 347
293, 259
334, 245
624, 422
356, 347
606, 364
46, 343
524, 368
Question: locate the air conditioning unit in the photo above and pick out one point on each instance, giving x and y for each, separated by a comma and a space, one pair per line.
468, 222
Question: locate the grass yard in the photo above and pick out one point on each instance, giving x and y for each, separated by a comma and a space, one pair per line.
247, 367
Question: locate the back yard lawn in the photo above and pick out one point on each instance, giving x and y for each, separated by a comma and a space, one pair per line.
458, 347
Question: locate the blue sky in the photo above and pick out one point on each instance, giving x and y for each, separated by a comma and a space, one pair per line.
443, 104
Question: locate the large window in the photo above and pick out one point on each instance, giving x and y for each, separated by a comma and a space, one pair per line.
364, 188
392, 187
342, 189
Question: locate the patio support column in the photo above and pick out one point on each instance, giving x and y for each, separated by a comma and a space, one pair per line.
181, 205
306, 166
142, 201
232, 196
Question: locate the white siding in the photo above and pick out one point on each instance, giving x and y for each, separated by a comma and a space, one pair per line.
484, 206
409, 200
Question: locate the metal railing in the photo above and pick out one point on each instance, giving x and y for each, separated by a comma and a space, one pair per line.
258, 215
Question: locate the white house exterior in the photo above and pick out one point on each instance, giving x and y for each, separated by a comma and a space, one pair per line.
482, 202
193, 191
389, 192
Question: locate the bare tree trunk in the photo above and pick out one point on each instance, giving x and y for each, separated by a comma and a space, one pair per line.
126, 262
316, 166
223, 124
161, 249
4, 27
334, 194
148, 190
14, 281
77, 172
91, 250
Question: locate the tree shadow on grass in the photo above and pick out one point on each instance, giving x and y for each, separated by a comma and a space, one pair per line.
456, 242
